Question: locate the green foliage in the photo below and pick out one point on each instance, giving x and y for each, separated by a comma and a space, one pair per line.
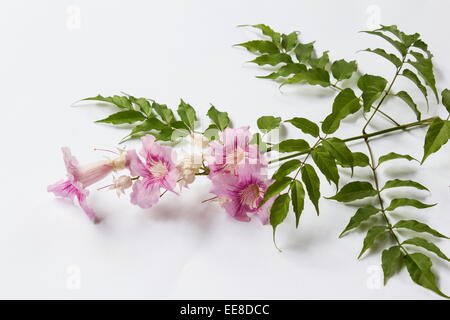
279, 211
372, 87
437, 135
373, 233
307, 126
312, 184
292, 145
298, 200
423, 243
220, 119
391, 261
355, 190
388, 56
446, 99
361, 215
268, 123
417, 226
121, 117
405, 202
286, 168
326, 164
392, 156
403, 183
345, 103
410, 102
342, 69
275, 188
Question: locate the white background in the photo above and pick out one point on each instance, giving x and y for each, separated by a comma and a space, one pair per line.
166, 50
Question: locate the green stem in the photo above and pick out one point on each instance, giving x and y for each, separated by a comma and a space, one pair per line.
368, 135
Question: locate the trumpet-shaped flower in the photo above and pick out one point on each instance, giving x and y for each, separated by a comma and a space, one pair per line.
242, 194
79, 177
157, 170
233, 151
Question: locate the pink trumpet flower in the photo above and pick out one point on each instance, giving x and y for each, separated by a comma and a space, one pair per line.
233, 151
158, 170
242, 194
79, 178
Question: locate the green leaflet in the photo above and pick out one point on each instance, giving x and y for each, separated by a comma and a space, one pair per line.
420, 242
425, 68
388, 56
187, 114
289, 41
391, 261
143, 105
404, 202
410, 102
298, 200
361, 215
359, 160
267, 31
372, 87
148, 125
345, 103
393, 156
220, 119
307, 126
354, 190
279, 211
121, 117
396, 44
417, 226
320, 62
164, 112
293, 145
313, 76
312, 184
419, 268
286, 168
285, 71
272, 59
275, 188
304, 52
326, 165
259, 46
406, 39
339, 150
446, 99
370, 238
437, 135
403, 183
268, 123
119, 101
342, 69
412, 76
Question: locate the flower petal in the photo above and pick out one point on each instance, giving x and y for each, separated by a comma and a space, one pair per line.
145, 195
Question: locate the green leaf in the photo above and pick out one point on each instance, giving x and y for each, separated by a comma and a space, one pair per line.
279, 211
285, 71
391, 261
293, 145
119, 101
405, 202
268, 123
312, 184
406, 39
275, 188
272, 59
410, 102
437, 135
257, 139
361, 215
187, 114
354, 190
393, 156
121, 117
425, 68
148, 125
313, 76
143, 104
412, 76
388, 56
164, 112
370, 238
417, 226
359, 160
220, 119
345, 103
326, 165
403, 183
167, 134
397, 44
446, 99
320, 62
267, 31
372, 87
304, 52
339, 150
286, 168
419, 268
259, 46
298, 199
307, 126
420, 242
289, 41
342, 69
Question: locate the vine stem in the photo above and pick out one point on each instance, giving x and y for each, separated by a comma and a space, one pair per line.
364, 135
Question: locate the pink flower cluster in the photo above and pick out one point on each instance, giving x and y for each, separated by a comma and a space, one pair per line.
235, 167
